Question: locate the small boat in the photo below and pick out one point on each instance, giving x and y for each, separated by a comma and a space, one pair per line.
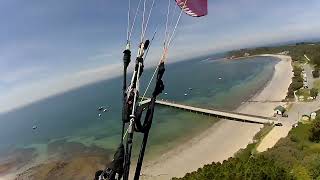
220, 78
185, 94
34, 127
105, 110
101, 108
165, 93
190, 88
99, 115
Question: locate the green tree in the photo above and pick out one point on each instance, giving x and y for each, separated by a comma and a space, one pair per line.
297, 69
314, 164
290, 94
315, 73
295, 85
297, 79
315, 131
250, 168
296, 73
316, 60
314, 92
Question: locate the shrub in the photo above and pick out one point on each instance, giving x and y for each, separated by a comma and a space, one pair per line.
295, 86
316, 60
290, 94
315, 73
297, 79
297, 69
314, 92
315, 167
259, 167
315, 131
296, 73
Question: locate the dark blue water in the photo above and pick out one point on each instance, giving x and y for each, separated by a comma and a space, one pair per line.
73, 116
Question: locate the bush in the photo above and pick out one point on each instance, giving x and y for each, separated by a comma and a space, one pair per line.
259, 167
296, 73
315, 131
297, 79
316, 60
314, 92
297, 69
315, 73
313, 163
295, 86
290, 94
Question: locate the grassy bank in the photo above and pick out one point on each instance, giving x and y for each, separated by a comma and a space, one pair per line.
295, 157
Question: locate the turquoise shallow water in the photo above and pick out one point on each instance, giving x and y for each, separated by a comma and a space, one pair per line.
73, 116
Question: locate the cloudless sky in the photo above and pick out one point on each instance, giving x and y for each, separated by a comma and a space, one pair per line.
49, 46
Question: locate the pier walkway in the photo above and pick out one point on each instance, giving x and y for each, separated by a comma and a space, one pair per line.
216, 113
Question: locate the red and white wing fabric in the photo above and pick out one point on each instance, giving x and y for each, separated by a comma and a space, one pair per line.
195, 8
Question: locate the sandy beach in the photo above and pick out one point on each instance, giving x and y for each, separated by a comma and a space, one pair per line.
226, 137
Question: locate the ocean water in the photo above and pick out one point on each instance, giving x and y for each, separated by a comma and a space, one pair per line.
73, 116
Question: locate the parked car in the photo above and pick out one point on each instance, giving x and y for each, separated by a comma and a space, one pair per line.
278, 124
284, 115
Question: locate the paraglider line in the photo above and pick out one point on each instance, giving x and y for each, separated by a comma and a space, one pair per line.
169, 42
134, 20
167, 22
173, 16
125, 134
154, 35
147, 23
128, 27
143, 19
176, 26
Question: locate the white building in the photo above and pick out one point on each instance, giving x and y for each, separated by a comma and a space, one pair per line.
284, 53
313, 115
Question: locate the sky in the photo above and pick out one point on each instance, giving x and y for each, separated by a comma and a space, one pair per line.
52, 46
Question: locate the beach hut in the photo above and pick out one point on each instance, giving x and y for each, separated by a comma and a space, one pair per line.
279, 110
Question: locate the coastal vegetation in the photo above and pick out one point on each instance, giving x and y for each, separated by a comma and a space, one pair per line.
295, 157
315, 131
316, 84
296, 51
314, 92
300, 53
306, 93
303, 92
245, 167
297, 81
315, 73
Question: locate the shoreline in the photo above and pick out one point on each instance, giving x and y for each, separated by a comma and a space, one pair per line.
252, 56
187, 151
224, 138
